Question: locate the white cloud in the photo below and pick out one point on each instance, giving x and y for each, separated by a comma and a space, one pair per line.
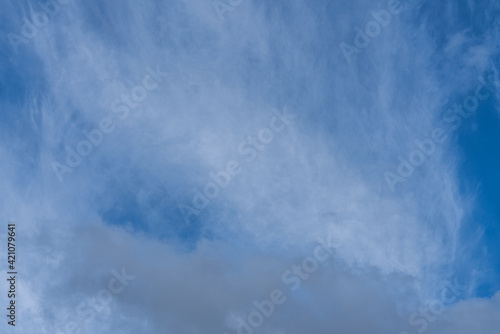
324, 174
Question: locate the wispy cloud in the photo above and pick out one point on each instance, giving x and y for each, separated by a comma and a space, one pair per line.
119, 207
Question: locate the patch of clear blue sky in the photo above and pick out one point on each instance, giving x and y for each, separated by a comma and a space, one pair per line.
479, 141
478, 137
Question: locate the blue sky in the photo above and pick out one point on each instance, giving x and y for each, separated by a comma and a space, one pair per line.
174, 165
477, 142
